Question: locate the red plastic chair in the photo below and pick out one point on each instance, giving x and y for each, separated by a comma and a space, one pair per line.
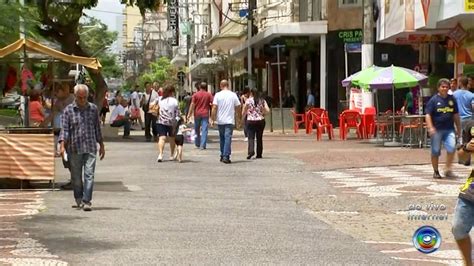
298, 119
370, 111
324, 126
313, 120
350, 119
369, 121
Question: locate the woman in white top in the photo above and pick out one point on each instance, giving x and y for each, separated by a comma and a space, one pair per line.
167, 113
255, 109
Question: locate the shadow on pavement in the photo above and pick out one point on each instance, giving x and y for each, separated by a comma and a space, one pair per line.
105, 209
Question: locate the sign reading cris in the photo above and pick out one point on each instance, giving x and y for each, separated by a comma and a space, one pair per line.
350, 36
173, 22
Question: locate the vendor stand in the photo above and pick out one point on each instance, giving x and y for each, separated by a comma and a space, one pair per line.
28, 153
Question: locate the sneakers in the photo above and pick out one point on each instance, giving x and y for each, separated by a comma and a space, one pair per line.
160, 158
87, 207
226, 161
436, 175
250, 156
450, 174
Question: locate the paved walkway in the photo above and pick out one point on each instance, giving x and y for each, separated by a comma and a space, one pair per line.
306, 202
200, 211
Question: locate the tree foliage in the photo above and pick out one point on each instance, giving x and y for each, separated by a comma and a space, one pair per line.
96, 41
10, 21
161, 71
60, 22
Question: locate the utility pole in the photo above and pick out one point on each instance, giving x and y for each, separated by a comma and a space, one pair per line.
368, 34
278, 63
26, 111
188, 44
249, 49
143, 42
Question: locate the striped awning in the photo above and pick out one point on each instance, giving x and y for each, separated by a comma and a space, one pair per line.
27, 156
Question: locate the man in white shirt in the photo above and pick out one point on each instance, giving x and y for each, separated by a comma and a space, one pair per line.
135, 107
120, 118
150, 120
224, 106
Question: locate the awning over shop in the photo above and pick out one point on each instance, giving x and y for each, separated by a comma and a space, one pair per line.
231, 35
309, 28
178, 60
32, 46
197, 69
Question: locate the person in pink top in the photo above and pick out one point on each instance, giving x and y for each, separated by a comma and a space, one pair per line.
36, 111
200, 107
255, 108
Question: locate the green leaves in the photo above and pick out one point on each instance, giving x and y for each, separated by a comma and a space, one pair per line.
161, 70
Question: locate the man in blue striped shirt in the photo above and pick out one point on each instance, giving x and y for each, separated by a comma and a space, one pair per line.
80, 133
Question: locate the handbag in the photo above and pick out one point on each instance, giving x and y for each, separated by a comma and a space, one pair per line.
135, 112
154, 109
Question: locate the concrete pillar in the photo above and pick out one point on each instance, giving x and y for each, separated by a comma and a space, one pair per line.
322, 69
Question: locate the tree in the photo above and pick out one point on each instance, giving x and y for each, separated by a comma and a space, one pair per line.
161, 71
9, 23
96, 41
59, 21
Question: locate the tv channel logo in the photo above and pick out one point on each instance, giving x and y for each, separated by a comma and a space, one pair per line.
427, 239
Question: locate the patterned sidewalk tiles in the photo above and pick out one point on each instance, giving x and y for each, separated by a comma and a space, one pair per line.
384, 206
17, 247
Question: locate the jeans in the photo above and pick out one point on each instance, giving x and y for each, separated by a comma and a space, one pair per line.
246, 128
225, 137
463, 219
125, 123
255, 129
150, 123
447, 137
463, 125
82, 190
200, 127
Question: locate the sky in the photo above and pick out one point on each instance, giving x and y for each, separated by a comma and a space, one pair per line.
109, 12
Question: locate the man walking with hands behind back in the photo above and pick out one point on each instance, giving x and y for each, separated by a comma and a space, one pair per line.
441, 115
224, 106
81, 132
200, 107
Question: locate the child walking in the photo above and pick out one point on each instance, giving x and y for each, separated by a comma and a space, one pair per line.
179, 140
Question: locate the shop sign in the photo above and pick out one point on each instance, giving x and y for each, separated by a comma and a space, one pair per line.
353, 47
469, 5
457, 34
295, 41
419, 38
350, 36
421, 68
173, 22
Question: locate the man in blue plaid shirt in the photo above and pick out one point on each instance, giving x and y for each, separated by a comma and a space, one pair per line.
80, 133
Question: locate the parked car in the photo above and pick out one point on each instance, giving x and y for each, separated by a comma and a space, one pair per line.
10, 101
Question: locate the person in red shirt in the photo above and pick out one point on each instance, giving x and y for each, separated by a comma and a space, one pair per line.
36, 110
201, 107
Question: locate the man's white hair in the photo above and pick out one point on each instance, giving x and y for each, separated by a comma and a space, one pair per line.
81, 87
